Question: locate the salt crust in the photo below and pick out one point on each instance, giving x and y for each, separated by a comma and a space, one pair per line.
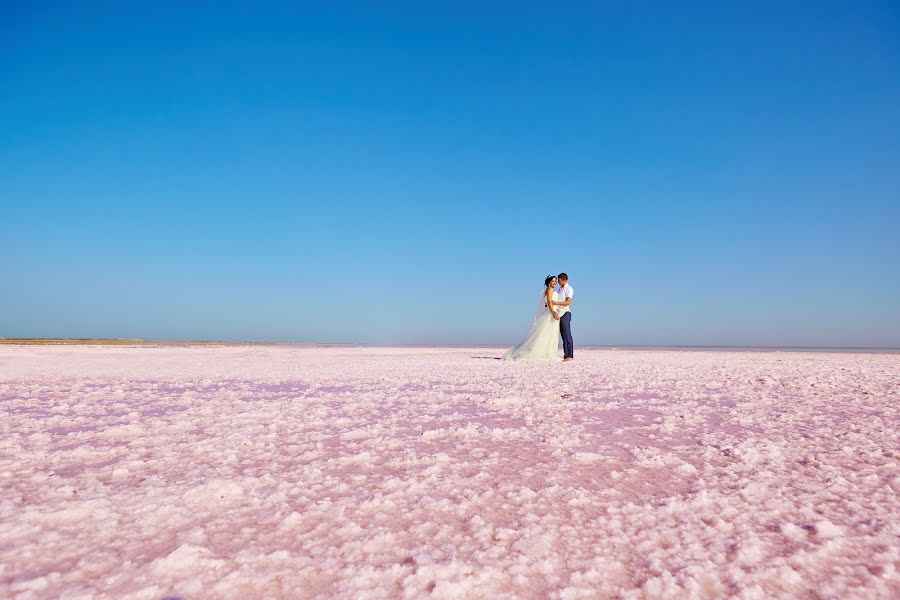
285, 472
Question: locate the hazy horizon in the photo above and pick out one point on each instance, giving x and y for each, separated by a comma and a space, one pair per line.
125, 341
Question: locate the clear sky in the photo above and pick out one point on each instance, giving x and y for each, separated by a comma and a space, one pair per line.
706, 172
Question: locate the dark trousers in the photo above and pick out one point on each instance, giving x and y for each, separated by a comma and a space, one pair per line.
565, 329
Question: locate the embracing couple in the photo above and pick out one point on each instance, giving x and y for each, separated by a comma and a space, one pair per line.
551, 320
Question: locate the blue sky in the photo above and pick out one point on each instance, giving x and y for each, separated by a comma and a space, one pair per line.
707, 173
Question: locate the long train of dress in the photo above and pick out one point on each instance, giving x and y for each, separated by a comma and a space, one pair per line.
542, 340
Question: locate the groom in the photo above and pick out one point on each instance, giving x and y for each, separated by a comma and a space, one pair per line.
565, 320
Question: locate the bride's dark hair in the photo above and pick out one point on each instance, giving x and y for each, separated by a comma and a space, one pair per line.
549, 279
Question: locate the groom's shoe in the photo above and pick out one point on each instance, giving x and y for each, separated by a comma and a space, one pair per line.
568, 359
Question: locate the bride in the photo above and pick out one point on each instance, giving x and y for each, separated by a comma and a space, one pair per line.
542, 341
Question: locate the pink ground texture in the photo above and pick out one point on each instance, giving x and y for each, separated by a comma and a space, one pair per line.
297, 472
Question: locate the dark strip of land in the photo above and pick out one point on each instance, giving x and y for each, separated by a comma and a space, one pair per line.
115, 342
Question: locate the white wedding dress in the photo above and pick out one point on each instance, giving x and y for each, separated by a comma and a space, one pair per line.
542, 341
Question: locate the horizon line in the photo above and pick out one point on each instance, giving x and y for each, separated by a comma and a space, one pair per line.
141, 341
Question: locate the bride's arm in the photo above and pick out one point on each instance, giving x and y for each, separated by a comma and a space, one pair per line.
549, 295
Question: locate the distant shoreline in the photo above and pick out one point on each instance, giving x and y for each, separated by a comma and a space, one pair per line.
121, 342
142, 342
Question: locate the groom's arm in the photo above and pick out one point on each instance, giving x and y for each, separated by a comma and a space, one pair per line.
566, 302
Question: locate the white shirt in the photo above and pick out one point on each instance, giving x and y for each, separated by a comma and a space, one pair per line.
565, 291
